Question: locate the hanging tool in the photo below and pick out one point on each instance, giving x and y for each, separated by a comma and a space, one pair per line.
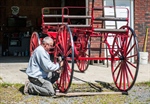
145, 40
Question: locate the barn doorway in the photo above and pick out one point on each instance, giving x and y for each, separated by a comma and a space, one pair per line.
75, 11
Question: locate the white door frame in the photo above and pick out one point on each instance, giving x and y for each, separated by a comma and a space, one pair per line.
130, 4
131, 10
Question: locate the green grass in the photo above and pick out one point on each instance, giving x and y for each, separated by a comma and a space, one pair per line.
12, 93
0, 78
147, 83
6, 85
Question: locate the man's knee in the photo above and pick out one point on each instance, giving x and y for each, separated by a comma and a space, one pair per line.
51, 93
49, 87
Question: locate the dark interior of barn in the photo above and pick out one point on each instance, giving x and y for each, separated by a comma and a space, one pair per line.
19, 18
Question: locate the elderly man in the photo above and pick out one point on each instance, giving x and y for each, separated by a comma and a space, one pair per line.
41, 71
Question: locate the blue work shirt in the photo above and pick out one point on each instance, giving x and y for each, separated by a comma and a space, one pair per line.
40, 64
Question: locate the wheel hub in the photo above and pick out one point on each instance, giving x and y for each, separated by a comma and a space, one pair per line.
121, 58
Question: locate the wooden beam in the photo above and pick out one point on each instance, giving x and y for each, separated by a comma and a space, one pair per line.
87, 93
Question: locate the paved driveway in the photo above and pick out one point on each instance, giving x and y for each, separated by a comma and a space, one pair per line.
12, 70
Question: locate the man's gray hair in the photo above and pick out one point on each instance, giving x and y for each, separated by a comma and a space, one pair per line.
47, 40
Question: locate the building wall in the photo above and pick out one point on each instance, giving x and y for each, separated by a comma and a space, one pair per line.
32, 9
142, 20
95, 41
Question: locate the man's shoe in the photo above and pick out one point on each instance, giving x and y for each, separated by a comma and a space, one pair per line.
26, 86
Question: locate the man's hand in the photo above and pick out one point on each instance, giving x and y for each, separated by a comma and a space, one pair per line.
61, 63
60, 58
60, 69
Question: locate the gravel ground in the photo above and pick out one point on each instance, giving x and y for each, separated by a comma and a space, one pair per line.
139, 94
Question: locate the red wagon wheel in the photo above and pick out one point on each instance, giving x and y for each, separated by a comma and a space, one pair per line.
64, 47
34, 42
84, 64
125, 59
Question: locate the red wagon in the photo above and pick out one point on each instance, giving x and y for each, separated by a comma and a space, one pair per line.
73, 42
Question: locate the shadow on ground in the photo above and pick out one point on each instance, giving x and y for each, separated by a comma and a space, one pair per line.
107, 86
21, 89
13, 59
99, 85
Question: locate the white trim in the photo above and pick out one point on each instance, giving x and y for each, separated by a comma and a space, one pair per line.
132, 13
132, 22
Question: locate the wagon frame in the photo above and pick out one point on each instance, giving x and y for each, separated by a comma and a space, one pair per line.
73, 43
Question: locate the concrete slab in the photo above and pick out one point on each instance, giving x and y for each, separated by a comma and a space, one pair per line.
12, 70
